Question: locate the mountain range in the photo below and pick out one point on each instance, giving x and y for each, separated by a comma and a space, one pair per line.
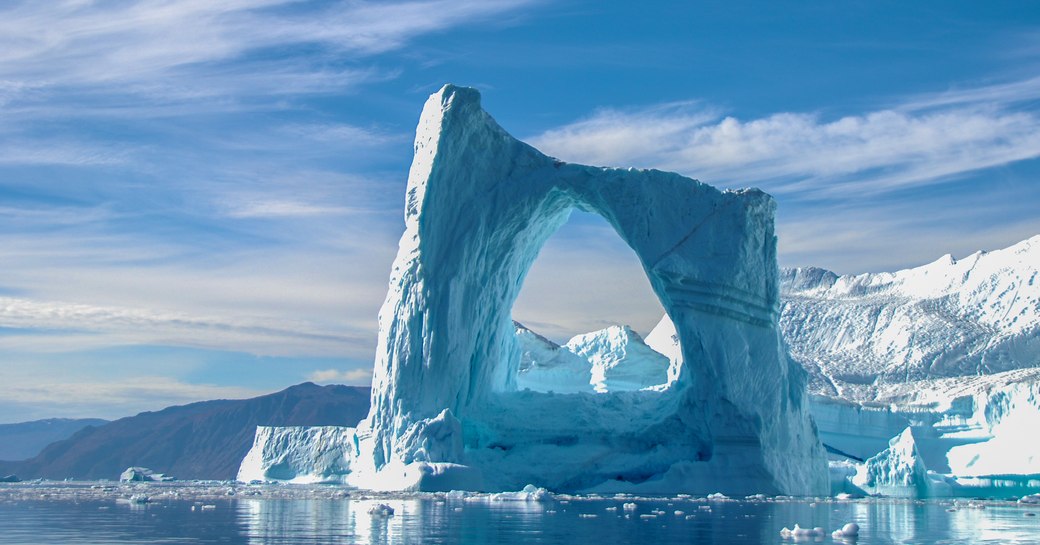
26, 439
204, 440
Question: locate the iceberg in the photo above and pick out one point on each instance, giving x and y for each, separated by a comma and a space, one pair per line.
614, 359
448, 411
621, 361
142, 474
970, 436
897, 470
298, 454
548, 367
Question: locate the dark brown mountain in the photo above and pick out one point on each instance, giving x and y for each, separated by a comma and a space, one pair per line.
204, 440
24, 440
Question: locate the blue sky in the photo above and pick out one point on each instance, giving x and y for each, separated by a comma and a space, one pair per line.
202, 199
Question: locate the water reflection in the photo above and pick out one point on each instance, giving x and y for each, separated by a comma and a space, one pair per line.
323, 521
434, 521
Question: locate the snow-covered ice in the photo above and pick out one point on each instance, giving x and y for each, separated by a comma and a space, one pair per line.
942, 359
448, 411
614, 359
953, 317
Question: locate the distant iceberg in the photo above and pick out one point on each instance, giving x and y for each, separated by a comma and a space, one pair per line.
299, 454
143, 474
590, 363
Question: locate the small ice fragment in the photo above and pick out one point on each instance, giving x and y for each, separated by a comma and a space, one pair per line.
381, 509
849, 530
799, 532
629, 506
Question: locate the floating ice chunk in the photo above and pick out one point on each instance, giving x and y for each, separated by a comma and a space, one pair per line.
1033, 498
529, 493
799, 532
717, 496
381, 509
849, 530
629, 506
142, 474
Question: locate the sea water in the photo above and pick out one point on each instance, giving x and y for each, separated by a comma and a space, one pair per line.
171, 514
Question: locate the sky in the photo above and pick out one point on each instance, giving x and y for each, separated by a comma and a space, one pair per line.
203, 199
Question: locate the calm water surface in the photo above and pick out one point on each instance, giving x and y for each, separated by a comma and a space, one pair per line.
26, 518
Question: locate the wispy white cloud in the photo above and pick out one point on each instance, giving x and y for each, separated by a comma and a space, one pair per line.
352, 377
63, 326
268, 208
61, 151
856, 236
925, 141
114, 398
999, 93
182, 49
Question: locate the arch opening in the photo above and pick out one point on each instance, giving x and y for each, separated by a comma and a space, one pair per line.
582, 315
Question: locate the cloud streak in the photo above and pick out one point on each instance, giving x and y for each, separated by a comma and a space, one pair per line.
353, 377
43, 326
193, 48
114, 398
925, 141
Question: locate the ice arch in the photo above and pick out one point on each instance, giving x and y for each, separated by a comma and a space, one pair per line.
445, 411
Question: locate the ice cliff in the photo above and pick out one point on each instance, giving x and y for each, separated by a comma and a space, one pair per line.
448, 411
298, 454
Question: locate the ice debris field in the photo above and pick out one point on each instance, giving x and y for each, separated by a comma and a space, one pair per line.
766, 519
